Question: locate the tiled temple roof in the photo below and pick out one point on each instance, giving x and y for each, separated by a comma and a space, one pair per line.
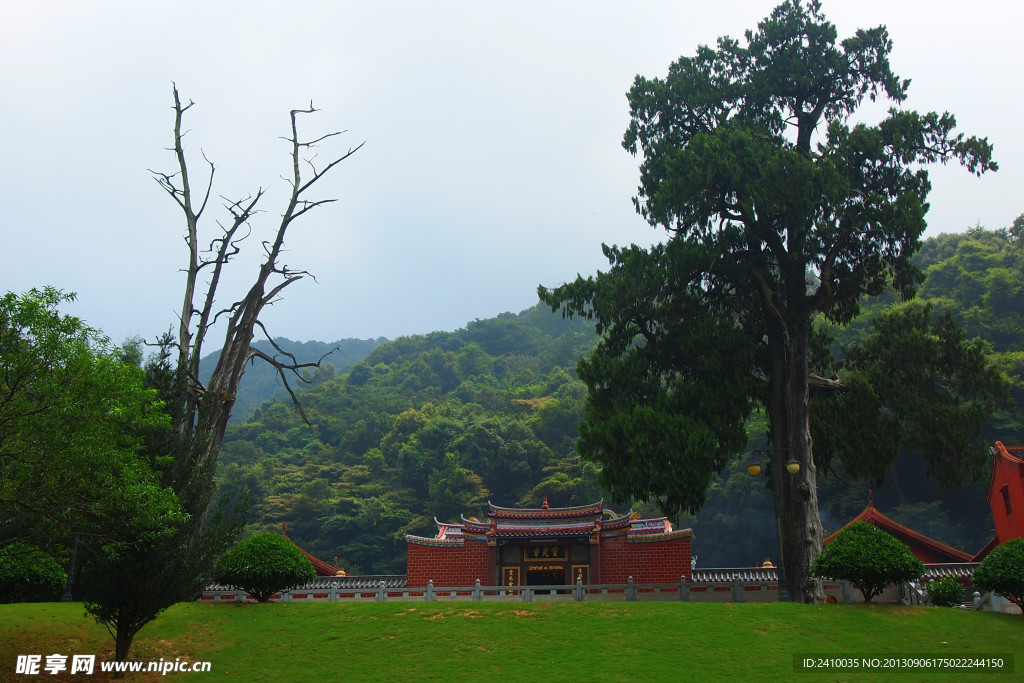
545, 512
580, 521
959, 570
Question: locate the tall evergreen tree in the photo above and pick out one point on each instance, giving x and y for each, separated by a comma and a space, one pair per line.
788, 208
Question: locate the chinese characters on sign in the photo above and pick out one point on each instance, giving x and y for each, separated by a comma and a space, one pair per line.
32, 665
540, 553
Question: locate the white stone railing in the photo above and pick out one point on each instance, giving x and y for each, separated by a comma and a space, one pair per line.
706, 585
736, 590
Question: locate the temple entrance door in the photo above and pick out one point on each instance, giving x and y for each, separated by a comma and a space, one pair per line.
545, 576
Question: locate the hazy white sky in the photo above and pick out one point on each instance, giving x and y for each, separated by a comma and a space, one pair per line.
492, 160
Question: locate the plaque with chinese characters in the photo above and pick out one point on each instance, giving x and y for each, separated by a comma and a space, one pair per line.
545, 553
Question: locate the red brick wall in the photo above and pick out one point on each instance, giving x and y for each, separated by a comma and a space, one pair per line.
447, 565
648, 562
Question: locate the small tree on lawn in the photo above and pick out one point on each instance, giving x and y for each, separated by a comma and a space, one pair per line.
946, 592
869, 558
1002, 572
263, 565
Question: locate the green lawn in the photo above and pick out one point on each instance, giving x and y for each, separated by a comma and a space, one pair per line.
467, 641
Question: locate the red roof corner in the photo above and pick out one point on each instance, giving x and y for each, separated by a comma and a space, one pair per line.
322, 568
926, 549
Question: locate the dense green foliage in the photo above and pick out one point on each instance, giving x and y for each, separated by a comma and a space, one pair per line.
869, 558
669, 386
1002, 571
125, 585
915, 384
978, 277
263, 565
946, 592
71, 422
27, 574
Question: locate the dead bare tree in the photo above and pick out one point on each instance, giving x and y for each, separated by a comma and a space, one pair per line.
204, 410
126, 587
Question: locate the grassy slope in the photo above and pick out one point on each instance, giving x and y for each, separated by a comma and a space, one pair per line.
401, 641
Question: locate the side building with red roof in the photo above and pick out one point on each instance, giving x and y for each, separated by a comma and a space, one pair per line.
1006, 491
926, 549
550, 546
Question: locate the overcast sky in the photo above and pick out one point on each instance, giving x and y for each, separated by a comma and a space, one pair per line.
493, 158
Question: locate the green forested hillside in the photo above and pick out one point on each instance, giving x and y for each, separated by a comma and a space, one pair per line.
435, 425
426, 426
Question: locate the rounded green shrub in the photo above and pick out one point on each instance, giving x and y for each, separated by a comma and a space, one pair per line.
869, 558
946, 592
1002, 572
27, 574
263, 565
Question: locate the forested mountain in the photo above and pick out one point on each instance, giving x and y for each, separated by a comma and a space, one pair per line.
435, 425
261, 382
426, 426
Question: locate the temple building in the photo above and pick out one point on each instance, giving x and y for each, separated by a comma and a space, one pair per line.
550, 546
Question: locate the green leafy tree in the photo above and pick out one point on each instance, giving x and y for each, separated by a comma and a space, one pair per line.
264, 564
946, 592
1002, 572
788, 209
27, 574
72, 418
869, 558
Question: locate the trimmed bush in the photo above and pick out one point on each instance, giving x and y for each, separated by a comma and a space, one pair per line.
946, 592
1002, 572
263, 565
27, 574
869, 558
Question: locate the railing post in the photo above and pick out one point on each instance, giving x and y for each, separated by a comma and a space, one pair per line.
332, 594
630, 590
684, 589
579, 589
476, 591
527, 593
381, 593
429, 593
737, 589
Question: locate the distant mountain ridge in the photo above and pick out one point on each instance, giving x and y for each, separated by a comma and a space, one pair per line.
261, 383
